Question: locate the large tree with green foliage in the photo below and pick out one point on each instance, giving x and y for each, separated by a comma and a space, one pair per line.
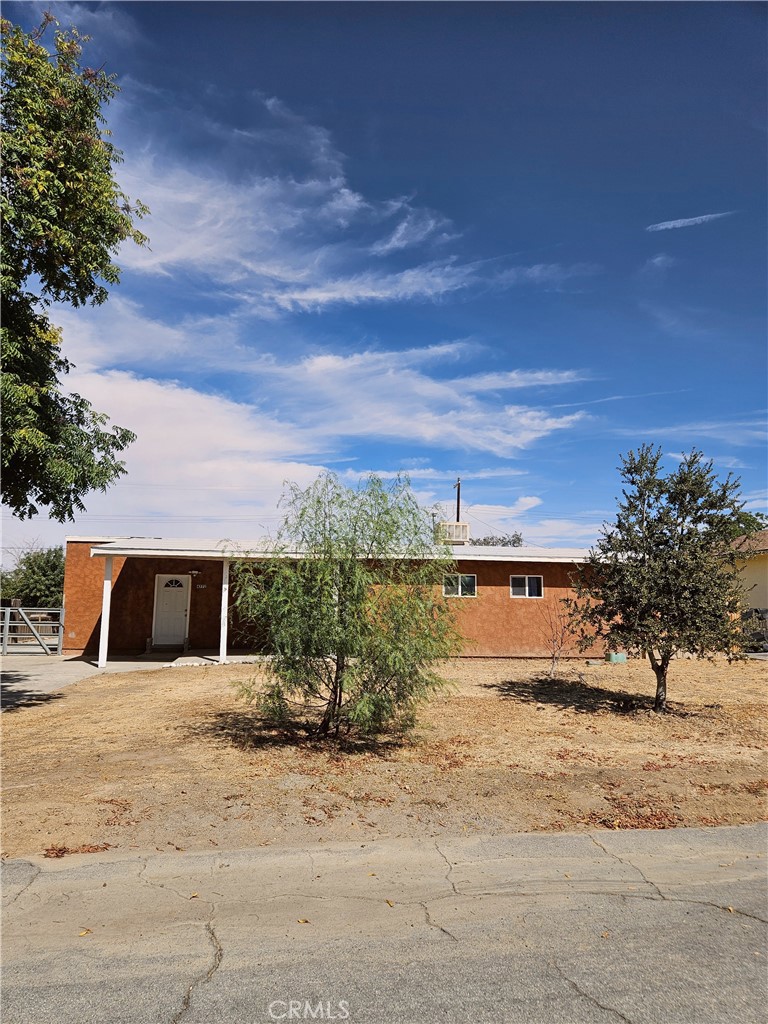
499, 540
663, 578
64, 217
747, 523
37, 579
352, 604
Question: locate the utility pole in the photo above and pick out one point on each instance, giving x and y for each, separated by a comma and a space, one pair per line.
457, 488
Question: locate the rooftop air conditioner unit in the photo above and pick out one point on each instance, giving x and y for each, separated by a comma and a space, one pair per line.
453, 533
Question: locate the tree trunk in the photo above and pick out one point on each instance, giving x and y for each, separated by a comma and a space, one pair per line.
332, 714
659, 665
660, 704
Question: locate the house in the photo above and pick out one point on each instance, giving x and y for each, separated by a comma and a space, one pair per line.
132, 594
754, 567
754, 574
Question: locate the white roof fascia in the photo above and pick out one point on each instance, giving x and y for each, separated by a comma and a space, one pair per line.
468, 553
156, 547
92, 538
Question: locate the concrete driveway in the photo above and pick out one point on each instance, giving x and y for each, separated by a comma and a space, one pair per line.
598, 928
29, 679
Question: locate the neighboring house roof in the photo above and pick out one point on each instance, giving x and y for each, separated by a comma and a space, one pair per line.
155, 547
754, 544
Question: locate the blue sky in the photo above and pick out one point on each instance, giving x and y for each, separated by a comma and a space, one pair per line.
504, 241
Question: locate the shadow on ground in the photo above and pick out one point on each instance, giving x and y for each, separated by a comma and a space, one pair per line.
573, 695
250, 731
14, 694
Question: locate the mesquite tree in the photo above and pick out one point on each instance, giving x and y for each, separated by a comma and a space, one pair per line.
663, 578
352, 606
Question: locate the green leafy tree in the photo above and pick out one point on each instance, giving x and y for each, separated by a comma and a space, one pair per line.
353, 606
37, 579
663, 579
499, 540
64, 217
747, 523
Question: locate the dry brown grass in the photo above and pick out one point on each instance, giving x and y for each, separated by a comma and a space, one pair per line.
172, 759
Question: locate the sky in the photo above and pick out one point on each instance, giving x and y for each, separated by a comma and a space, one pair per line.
507, 242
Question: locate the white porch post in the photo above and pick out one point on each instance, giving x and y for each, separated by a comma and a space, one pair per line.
224, 611
106, 601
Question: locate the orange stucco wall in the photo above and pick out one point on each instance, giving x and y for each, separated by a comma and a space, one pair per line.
133, 597
497, 625
83, 585
492, 623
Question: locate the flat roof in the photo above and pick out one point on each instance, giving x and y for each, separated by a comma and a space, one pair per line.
158, 547
477, 553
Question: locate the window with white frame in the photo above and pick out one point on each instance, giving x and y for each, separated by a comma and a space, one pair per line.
526, 586
458, 585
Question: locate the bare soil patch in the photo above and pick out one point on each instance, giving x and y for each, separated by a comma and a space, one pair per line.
174, 760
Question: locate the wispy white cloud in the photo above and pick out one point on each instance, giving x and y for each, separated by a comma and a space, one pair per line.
538, 530
427, 474
688, 222
387, 395
504, 512
292, 235
655, 268
561, 532
726, 461
509, 379
424, 283
101, 22
206, 465
747, 430
196, 435
545, 274
619, 398
680, 322
415, 228
329, 401
202, 465
134, 339
756, 501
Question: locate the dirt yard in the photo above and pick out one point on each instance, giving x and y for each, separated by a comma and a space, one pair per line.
174, 760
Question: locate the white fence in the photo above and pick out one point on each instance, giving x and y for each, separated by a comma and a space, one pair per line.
28, 630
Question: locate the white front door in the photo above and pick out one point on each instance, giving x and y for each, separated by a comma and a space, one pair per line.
171, 610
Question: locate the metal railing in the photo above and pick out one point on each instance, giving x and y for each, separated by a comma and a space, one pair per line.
27, 630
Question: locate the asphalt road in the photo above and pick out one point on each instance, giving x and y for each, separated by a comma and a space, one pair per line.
645, 927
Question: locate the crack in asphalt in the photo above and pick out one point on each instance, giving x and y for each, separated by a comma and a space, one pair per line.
24, 889
590, 998
167, 888
716, 906
628, 864
448, 878
674, 899
434, 924
203, 979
